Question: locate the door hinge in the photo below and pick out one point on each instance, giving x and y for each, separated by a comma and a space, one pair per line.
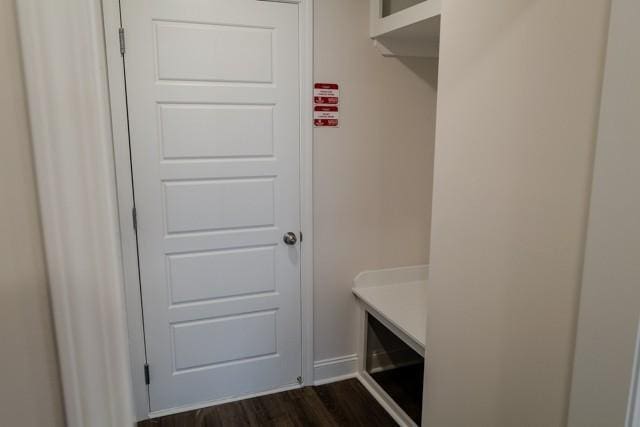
121, 38
134, 217
299, 380
147, 378
301, 237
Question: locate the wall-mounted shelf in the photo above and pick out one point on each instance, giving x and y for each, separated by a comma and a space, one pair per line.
406, 27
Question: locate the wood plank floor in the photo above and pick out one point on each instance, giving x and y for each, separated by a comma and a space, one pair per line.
345, 403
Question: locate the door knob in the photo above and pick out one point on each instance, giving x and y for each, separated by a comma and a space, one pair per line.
290, 238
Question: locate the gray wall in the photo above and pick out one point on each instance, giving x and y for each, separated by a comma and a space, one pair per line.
30, 393
373, 175
610, 298
519, 88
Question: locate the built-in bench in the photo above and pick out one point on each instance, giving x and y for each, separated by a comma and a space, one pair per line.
393, 319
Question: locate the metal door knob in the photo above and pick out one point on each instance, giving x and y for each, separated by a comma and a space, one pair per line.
290, 238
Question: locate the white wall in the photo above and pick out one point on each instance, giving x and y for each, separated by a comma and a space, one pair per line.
373, 175
30, 393
519, 87
610, 299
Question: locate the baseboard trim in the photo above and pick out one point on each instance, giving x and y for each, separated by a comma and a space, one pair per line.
335, 369
335, 379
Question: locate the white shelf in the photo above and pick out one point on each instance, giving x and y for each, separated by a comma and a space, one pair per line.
414, 31
398, 299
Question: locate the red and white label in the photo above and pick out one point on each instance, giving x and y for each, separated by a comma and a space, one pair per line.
326, 115
326, 93
326, 98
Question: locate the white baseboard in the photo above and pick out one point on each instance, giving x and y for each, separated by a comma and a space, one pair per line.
335, 369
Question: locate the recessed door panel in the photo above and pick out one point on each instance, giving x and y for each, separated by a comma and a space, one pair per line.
191, 351
202, 276
225, 53
200, 131
219, 204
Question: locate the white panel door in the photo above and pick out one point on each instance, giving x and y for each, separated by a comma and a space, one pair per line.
213, 97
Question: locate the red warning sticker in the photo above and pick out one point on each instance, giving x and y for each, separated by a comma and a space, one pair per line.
326, 115
326, 98
326, 93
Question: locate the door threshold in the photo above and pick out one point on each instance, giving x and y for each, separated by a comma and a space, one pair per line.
186, 408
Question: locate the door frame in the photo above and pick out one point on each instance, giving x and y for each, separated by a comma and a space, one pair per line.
75, 89
124, 180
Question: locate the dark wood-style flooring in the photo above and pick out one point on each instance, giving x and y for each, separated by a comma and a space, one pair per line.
345, 403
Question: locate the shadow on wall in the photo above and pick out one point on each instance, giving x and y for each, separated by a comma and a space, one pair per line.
421, 68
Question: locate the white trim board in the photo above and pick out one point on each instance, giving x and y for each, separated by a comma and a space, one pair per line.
64, 63
306, 175
335, 369
86, 209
